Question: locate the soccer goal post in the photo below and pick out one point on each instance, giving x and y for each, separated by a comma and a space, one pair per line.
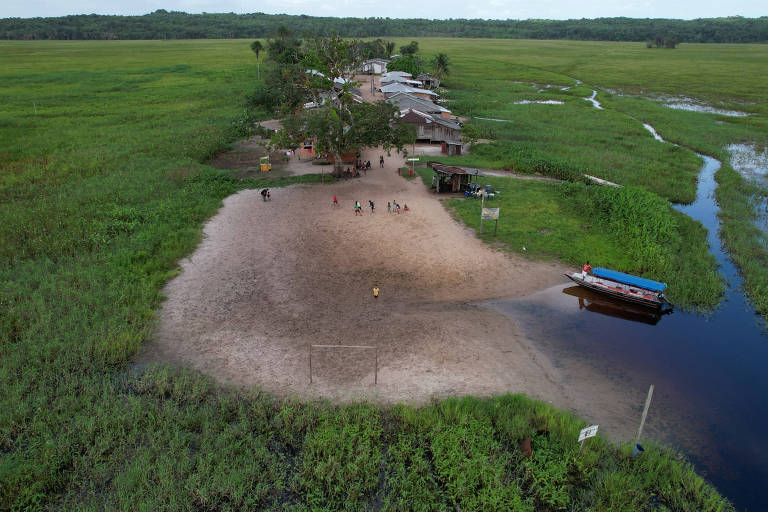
348, 347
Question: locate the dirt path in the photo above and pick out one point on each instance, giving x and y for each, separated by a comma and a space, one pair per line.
269, 279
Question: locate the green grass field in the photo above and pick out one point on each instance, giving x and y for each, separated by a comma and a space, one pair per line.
102, 191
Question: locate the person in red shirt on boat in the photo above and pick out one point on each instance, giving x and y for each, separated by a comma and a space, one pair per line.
586, 269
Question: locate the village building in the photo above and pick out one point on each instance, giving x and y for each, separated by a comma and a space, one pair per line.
391, 89
447, 178
404, 101
390, 74
425, 79
374, 66
434, 128
400, 80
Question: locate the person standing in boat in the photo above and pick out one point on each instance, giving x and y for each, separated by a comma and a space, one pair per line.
586, 269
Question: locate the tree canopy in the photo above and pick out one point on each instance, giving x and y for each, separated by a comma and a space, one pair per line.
408, 63
440, 68
162, 24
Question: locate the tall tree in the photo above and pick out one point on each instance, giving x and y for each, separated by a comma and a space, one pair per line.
257, 47
408, 63
410, 49
440, 68
390, 48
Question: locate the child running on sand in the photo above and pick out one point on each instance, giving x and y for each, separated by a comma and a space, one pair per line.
389, 207
405, 208
358, 209
335, 201
372, 206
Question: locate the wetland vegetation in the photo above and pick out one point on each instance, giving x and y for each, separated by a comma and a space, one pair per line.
103, 190
571, 139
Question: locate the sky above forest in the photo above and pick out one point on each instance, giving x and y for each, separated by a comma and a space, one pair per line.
431, 9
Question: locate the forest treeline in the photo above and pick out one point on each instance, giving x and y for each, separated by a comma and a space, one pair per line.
162, 24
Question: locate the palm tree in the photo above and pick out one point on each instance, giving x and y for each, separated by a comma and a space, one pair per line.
256, 46
440, 65
390, 48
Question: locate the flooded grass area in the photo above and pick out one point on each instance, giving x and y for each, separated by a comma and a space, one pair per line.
693, 106
751, 162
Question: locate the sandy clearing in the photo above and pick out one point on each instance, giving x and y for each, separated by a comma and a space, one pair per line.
269, 279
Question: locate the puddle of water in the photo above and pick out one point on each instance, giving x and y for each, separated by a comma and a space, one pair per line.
653, 132
540, 102
762, 213
694, 105
594, 102
492, 119
750, 162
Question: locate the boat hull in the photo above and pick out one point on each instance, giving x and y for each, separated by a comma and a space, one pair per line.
619, 291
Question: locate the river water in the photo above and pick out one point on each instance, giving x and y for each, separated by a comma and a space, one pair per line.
711, 395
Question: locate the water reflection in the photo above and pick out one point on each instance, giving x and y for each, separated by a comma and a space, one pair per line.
600, 304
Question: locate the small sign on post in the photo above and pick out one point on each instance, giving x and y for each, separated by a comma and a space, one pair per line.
489, 214
585, 434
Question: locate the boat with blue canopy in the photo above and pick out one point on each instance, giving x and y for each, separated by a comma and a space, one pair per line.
622, 286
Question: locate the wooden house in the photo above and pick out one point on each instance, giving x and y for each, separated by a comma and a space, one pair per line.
434, 128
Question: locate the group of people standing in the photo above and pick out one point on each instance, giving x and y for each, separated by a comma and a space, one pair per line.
395, 207
392, 206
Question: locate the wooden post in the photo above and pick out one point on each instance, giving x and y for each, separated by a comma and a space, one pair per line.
645, 413
376, 369
310, 364
582, 445
498, 209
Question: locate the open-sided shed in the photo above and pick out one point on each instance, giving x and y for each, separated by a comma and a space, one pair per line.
448, 178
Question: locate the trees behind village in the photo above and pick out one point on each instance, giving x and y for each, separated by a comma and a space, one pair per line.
408, 63
309, 84
163, 24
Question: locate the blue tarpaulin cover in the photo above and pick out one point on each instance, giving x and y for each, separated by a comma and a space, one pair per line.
629, 279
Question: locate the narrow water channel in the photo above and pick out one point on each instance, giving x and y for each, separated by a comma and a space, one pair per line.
710, 371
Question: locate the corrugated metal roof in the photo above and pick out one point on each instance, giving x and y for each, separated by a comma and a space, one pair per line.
398, 87
452, 169
406, 100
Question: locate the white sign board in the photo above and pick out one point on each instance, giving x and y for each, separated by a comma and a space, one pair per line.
588, 432
490, 214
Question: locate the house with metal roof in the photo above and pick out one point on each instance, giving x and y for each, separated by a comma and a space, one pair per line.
404, 101
400, 80
390, 74
391, 89
434, 128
